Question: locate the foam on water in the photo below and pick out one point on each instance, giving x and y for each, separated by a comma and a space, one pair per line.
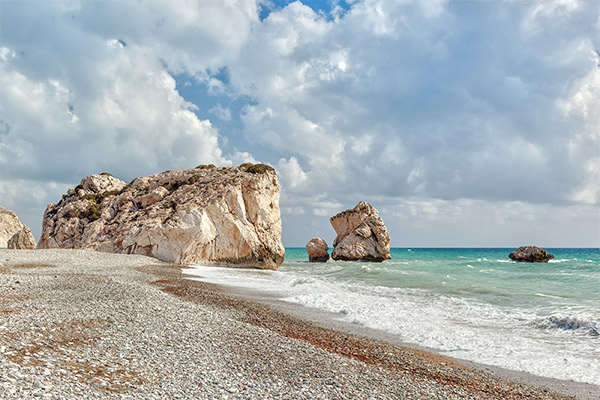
575, 324
523, 317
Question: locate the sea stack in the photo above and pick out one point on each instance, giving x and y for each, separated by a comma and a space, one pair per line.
9, 226
317, 250
361, 235
207, 215
530, 254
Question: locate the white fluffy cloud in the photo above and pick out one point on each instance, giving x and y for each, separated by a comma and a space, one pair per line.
77, 99
460, 107
133, 120
488, 107
132, 123
89, 85
492, 102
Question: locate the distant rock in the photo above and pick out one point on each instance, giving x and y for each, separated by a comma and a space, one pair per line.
22, 240
530, 254
9, 225
205, 215
317, 250
361, 235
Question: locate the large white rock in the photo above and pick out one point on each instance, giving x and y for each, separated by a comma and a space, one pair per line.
205, 215
9, 225
361, 235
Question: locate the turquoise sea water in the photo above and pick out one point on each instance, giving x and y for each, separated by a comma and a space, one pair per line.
474, 304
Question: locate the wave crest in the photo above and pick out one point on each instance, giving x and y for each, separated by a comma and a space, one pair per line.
570, 323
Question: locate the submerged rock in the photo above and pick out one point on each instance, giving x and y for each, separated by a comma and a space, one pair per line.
317, 250
530, 254
9, 226
204, 215
361, 235
22, 240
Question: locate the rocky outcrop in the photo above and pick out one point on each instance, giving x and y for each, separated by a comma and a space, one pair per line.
361, 235
22, 240
530, 254
205, 215
317, 250
9, 225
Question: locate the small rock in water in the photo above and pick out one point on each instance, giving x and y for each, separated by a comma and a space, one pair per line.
530, 254
317, 250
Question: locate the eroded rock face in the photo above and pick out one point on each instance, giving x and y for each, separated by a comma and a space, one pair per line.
317, 250
530, 254
9, 225
361, 235
22, 240
205, 215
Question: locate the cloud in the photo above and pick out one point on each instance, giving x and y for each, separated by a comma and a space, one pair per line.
189, 37
221, 112
444, 100
456, 106
132, 121
582, 105
415, 221
81, 98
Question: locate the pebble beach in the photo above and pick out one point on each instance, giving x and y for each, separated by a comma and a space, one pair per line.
89, 325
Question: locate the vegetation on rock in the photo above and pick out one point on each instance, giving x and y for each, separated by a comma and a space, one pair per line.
256, 168
92, 213
99, 197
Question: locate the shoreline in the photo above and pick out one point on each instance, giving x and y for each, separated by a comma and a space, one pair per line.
329, 320
92, 325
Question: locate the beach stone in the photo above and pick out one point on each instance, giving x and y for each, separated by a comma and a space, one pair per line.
361, 235
22, 240
317, 250
530, 254
205, 215
9, 225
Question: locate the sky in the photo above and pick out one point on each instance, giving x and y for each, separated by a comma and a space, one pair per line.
465, 123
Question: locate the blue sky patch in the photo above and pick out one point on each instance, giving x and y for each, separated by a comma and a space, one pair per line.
319, 6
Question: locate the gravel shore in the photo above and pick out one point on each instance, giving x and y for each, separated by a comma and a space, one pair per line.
88, 325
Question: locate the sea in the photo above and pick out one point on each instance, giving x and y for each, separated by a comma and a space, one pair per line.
468, 303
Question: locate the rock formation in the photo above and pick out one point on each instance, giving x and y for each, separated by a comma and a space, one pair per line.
22, 240
195, 216
361, 235
317, 250
9, 225
530, 254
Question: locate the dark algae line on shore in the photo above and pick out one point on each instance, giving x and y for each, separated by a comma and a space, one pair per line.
416, 365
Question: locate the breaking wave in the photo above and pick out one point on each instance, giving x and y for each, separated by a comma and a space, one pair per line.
573, 324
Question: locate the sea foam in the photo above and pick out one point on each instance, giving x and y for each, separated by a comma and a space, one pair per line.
512, 316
